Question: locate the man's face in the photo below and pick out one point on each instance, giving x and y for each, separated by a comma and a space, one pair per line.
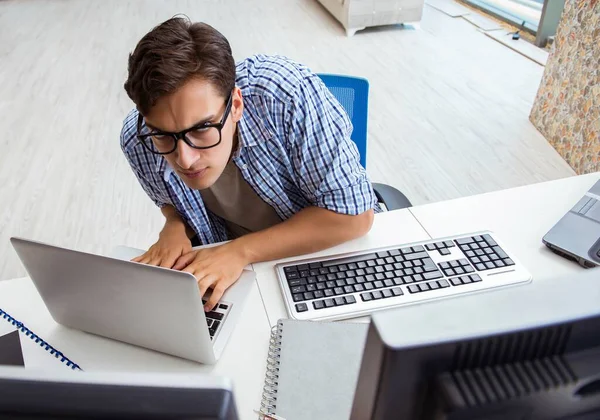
197, 101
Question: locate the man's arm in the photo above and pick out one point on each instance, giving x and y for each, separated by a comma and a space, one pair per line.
311, 229
173, 241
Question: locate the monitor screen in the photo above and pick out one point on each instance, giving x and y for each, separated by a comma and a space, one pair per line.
523, 353
30, 394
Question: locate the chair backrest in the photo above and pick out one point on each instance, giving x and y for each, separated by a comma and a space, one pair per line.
353, 94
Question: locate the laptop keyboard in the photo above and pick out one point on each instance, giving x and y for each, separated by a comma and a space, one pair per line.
216, 317
338, 287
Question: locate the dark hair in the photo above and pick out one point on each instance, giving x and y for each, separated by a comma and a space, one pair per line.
174, 52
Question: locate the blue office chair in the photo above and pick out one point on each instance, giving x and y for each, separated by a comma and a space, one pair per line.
353, 94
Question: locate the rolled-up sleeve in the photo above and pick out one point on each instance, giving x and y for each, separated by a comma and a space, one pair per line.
325, 160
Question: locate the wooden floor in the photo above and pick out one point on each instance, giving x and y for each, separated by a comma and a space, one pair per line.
448, 108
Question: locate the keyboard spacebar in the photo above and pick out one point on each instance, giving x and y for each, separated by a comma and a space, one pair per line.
348, 260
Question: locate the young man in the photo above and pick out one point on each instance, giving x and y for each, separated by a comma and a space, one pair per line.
259, 153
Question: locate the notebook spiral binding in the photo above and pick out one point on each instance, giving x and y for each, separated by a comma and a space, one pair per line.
45, 345
269, 395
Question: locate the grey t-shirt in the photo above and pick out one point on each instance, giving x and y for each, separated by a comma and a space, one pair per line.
234, 200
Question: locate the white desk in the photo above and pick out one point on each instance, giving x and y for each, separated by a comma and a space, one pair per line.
390, 228
243, 360
519, 216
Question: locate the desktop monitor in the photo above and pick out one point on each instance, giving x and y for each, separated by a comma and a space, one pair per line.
521, 353
30, 394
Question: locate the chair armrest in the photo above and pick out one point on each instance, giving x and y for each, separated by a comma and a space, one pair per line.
391, 197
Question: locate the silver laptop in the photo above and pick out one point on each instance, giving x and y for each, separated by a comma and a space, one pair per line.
152, 307
576, 236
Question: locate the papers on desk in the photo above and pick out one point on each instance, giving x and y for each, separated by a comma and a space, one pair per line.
21, 346
312, 370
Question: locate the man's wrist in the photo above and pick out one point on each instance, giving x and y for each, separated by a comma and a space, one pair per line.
244, 249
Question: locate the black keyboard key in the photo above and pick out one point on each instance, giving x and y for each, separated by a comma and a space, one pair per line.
341, 275
314, 265
223, 306
328, 292
338, 291
350, 299
380, 276
295, 283
318, 304
488, 239
397, 291
311, 288
330, 284
214, 315
366, 296
432, 275
413, 288
371, 264
214, 327
443, 283
348, 289
299, 289
360, 272
331, 277
340, 283
388, 283
343, 267
333, 269
290, 269
456, 281
361, 279
445, 251
352, 266
209, 322
499, 252
377, 294
292, 275
329, 303
323, 271
359, 287
311, 280
313, 273
301, 307
319, 294
339, 301
321, 278
348, 260
309, 296
350, 273
387, 293
304, 274
362, 264
417, 256
298, 297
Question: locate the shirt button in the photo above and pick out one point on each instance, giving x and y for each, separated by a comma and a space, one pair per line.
244, 167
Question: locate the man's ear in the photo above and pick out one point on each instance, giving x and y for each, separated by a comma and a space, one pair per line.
237, 104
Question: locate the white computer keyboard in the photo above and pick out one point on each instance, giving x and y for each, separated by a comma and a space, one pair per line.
356, 284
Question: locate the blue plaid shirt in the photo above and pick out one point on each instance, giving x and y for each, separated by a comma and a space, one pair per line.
294, 150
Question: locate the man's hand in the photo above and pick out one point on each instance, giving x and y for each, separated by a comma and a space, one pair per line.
215, 268
172, 243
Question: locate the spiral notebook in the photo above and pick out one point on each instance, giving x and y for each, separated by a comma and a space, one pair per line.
312, 370
11, 325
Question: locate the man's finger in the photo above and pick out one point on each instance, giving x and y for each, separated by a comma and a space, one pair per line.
183, 261
215, 297
169, 260
205, 283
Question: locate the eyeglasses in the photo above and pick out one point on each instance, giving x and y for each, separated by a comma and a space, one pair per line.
200, 136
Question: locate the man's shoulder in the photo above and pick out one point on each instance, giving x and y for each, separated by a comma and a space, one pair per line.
128, 131
271, 75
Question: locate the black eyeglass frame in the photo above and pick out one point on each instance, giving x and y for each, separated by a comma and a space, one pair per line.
181, 135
